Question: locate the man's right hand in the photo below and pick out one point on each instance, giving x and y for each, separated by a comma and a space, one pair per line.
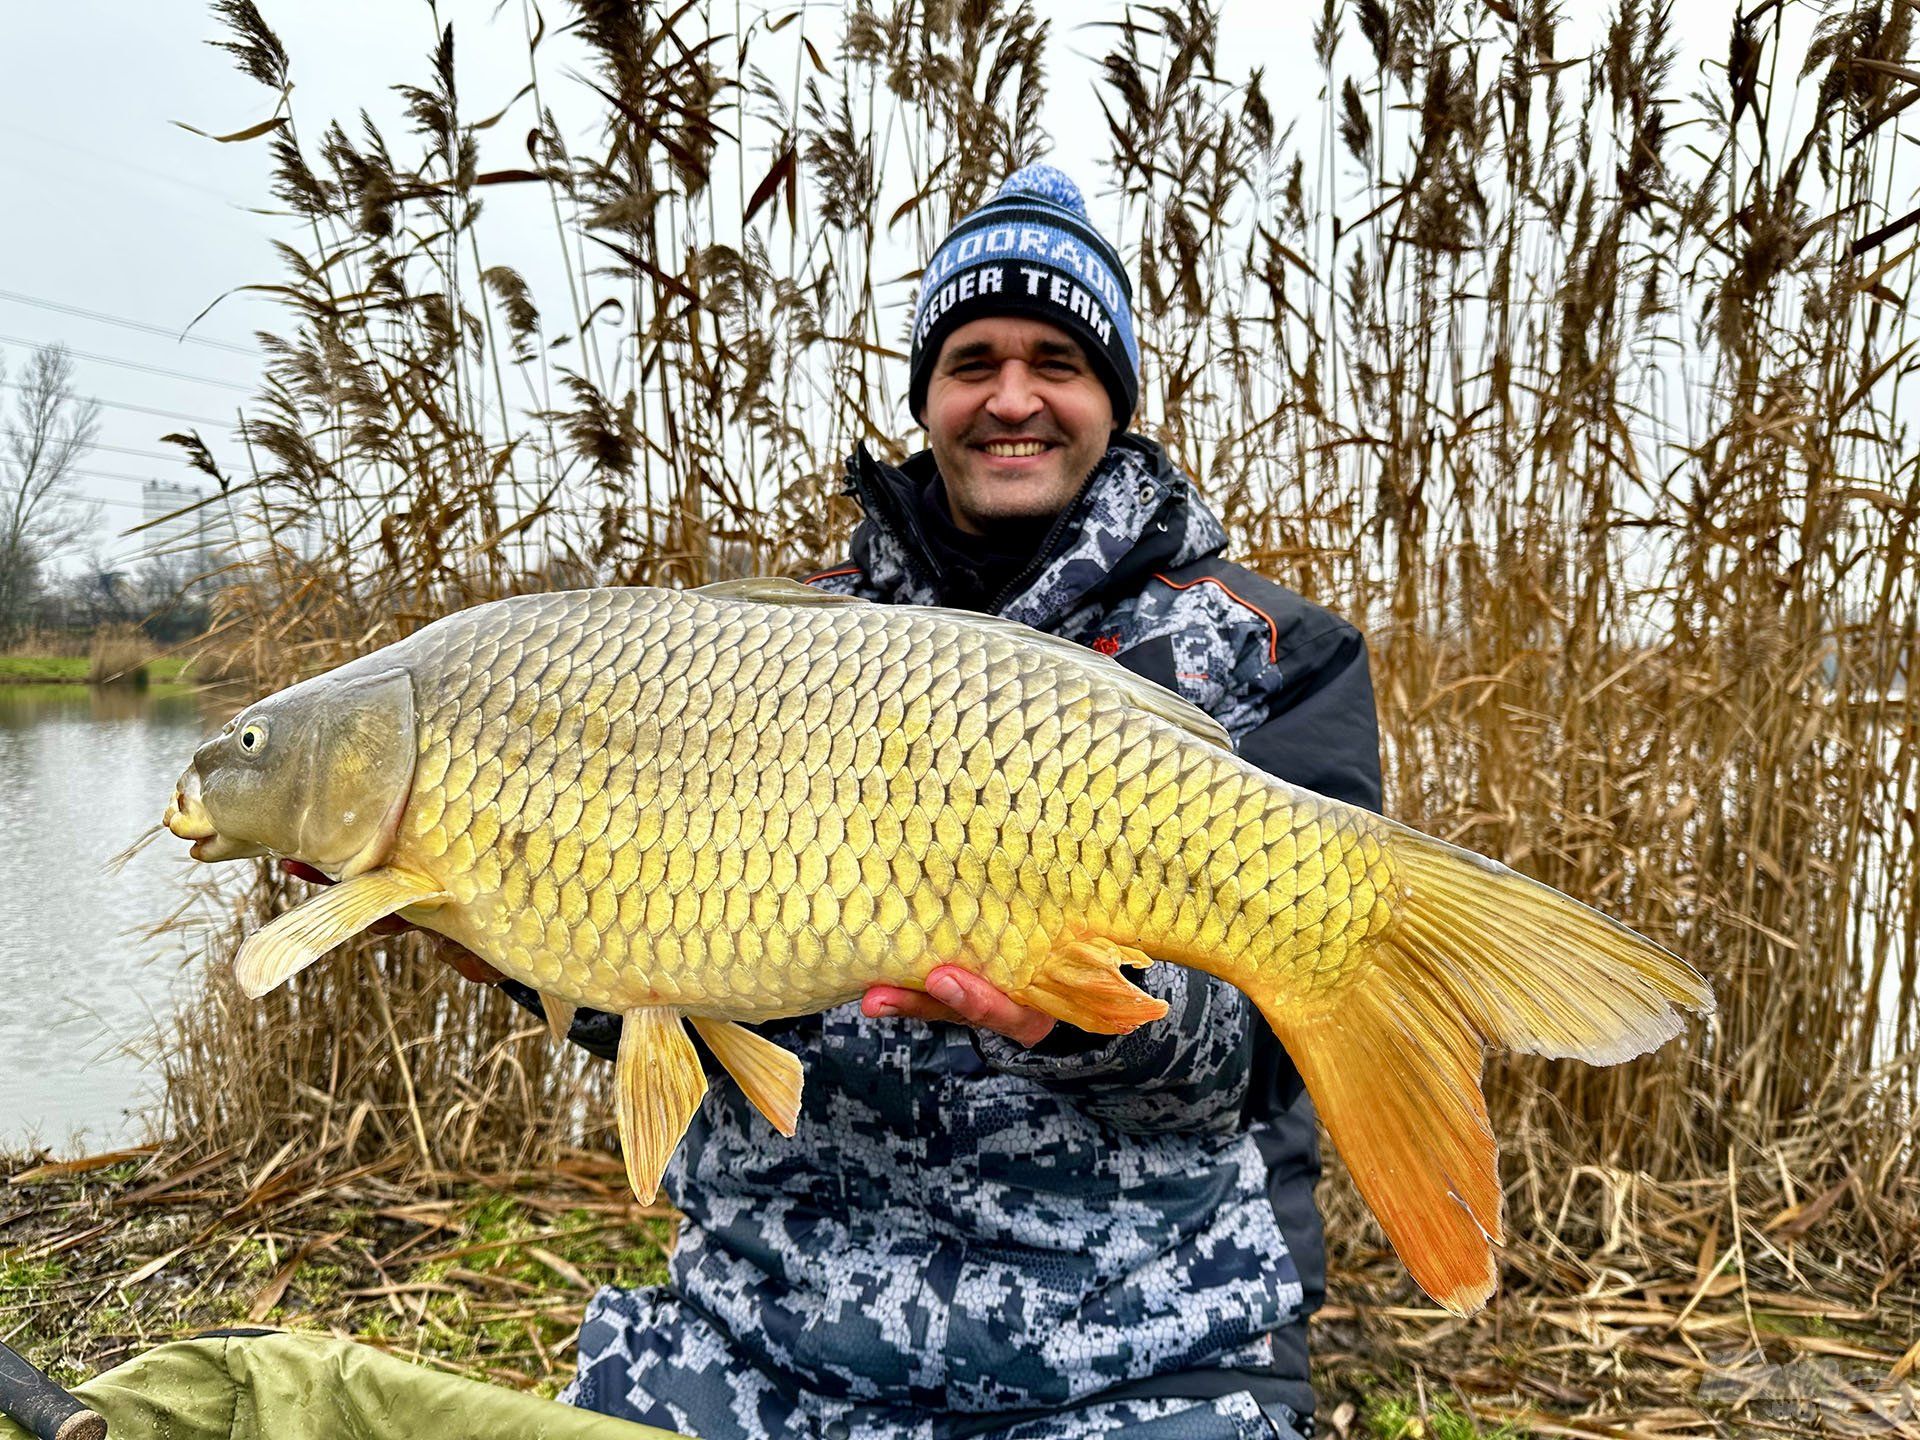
469, 965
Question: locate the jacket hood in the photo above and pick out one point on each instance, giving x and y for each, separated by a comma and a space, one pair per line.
1135, 514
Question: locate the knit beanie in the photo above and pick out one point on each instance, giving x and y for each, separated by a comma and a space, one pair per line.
1031, 251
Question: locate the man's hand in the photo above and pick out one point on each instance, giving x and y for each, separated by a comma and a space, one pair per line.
962, 998
469, 965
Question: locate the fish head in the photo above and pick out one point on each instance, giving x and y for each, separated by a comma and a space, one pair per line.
319, 772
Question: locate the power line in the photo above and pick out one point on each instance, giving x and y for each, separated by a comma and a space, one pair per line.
114, 475
105, 318
116, 449
78, 499
81, 498
106, 159
137, 409
134, 365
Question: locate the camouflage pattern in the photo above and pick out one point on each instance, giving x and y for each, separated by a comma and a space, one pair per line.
658, 1361
971, 1238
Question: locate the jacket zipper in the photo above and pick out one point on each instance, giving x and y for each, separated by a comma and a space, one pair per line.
1045, 552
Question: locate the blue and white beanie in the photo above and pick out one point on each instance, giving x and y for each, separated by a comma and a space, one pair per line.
1031, 251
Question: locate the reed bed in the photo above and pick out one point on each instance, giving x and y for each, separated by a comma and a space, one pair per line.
50, 643
118, 655
1581, 394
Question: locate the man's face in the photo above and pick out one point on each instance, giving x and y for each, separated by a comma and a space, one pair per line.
1017, 419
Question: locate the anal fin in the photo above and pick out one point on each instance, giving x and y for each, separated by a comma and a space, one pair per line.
769, 1076
278, 951
559, 1014
658, 1084
1080, 982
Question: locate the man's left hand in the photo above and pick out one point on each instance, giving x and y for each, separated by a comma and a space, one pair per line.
962, 998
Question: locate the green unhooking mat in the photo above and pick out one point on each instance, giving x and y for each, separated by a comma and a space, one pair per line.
313, 1387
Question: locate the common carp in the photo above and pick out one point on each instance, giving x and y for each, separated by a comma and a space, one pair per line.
756, 800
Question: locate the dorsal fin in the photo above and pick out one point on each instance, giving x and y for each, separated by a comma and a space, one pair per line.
773, 590
1137, 690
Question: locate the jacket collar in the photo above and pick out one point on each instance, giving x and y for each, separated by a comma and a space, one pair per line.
1135, 514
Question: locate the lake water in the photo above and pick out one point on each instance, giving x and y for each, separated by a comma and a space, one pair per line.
82, 773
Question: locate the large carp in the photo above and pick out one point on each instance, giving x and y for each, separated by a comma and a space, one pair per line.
756, 800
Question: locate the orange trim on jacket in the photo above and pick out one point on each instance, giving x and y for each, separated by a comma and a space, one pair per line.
829, 574
1273, 630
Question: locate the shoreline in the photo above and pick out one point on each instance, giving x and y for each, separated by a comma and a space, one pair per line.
52, 690
66, 671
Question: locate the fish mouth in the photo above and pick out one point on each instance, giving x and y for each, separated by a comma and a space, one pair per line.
187, 817
187, 813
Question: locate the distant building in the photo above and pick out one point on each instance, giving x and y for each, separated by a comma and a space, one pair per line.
179, 530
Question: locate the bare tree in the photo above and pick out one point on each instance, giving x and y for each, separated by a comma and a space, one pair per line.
50, 431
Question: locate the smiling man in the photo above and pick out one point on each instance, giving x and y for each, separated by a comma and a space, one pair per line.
989, 1225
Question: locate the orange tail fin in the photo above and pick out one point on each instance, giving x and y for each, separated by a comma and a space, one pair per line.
1475, 955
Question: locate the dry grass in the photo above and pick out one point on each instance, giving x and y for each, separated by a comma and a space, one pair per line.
456, 1075
118, 655
1727, 1305
1599, 433
480, 1272
62, 644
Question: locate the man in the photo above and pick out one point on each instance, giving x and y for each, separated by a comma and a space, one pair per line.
989, 1224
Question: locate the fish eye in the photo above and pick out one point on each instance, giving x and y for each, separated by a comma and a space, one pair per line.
253, 737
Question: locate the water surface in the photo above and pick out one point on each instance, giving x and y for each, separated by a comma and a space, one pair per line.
83, 772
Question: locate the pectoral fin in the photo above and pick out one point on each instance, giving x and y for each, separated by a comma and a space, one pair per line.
283, 949
658, 1083
769, 1075
559, 1014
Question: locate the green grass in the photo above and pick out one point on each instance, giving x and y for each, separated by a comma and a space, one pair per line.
72, 669
25, 1275
42, 669
1397, 1418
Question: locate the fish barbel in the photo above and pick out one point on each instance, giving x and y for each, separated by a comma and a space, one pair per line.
756, 800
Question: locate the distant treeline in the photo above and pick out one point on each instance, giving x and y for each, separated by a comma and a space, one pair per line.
66, 618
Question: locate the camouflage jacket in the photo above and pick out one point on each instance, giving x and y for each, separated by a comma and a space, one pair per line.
967, 1228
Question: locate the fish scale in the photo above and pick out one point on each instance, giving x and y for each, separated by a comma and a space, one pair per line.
755, 800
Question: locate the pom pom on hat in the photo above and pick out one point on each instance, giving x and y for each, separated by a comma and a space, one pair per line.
1049, 183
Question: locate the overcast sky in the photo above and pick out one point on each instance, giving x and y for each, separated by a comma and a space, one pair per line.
112, 208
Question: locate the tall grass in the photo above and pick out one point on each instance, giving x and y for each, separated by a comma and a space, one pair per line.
1589, 399
118, 655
